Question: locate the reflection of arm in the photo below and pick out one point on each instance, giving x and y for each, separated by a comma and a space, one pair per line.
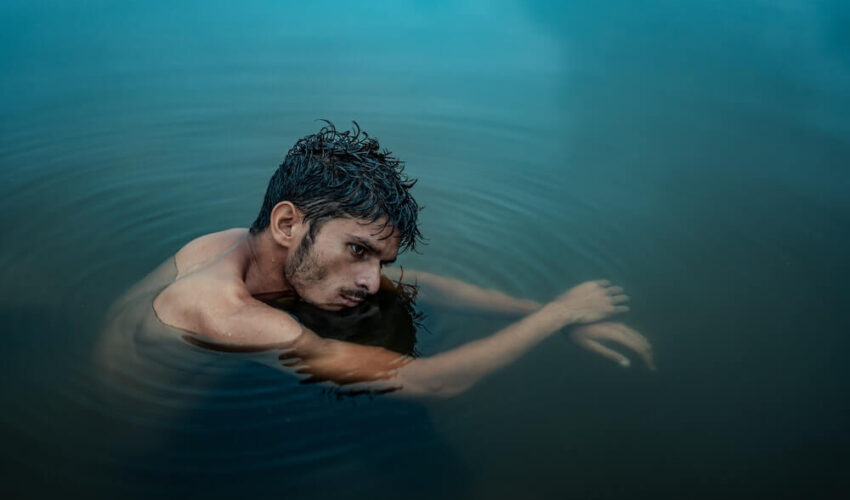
452, 292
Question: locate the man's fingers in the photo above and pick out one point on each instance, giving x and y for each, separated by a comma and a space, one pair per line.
603, 283
619, 333
620, 309
639, 344
614, 290
606, 352
619, 299
622, 334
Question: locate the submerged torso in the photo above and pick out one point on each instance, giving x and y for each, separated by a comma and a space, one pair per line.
133, 323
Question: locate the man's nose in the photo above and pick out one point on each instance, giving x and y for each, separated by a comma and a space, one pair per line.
369, 280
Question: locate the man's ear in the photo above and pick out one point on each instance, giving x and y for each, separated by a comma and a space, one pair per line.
283, 221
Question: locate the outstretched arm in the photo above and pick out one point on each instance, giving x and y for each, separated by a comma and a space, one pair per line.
455, 293
442, 375
454, 371
446, 374
451, 292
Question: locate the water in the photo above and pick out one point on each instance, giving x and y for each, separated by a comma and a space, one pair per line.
693, 152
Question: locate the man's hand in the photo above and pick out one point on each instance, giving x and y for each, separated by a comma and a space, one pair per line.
589, 337
589, 302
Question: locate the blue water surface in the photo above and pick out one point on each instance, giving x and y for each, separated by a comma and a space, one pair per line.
694, 152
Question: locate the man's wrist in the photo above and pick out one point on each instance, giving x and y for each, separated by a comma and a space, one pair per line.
558, 315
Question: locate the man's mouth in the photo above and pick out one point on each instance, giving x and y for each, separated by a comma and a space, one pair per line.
351, 300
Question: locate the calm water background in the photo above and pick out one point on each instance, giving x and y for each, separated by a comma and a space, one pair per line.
695, 152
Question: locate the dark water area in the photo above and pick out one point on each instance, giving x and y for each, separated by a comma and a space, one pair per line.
694, 152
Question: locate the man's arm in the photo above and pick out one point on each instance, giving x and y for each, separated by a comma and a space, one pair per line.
373, 368
451, 292
453, 372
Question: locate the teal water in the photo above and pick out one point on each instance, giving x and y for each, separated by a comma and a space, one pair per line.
694, 152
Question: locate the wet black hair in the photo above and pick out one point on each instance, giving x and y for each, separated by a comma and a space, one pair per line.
388, 319
333, 174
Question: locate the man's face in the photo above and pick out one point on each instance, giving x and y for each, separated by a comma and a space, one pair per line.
343, 265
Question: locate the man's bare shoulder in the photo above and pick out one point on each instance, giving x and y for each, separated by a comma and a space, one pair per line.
208, 279
214, 304
207, 249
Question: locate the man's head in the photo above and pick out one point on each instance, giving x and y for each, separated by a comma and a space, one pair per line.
342, 207
334, 174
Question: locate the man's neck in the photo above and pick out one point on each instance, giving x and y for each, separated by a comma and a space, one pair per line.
265, 261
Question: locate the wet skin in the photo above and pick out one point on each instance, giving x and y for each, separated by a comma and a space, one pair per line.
223, 280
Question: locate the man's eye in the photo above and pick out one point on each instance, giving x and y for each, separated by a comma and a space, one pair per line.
357, 250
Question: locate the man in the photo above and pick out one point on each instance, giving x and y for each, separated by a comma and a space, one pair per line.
335, 212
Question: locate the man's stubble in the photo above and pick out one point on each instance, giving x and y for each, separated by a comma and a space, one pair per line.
303, 268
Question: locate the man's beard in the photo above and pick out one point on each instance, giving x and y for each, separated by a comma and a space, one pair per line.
303, 267
303, 270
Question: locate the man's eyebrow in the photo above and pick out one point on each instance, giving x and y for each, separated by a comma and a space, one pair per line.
364, 243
